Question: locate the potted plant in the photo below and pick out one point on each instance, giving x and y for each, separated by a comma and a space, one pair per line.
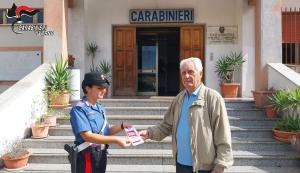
16, 155
104, 68
270, 111
279, 101
39, 128
71, 61
57, 84
91, 49
50, 118
225, 68
288, 103
295, 141
261, 97
286, 127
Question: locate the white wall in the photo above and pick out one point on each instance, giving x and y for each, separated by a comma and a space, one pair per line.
17, 103
30, 3
10, 39
101, 15
282, 77
76, 36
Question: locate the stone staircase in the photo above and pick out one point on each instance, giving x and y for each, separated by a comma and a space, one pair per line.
254, 148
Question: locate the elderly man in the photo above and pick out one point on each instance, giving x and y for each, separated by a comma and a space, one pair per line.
198, 122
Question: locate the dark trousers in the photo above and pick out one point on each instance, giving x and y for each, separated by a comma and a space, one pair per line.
92, 161
187, 169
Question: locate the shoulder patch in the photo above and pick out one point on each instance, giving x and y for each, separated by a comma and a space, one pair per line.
80, 104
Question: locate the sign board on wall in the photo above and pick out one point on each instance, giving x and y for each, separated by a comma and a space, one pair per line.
17, 64
222, 34
161, 15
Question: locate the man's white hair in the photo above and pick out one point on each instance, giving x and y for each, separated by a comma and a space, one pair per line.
196, 61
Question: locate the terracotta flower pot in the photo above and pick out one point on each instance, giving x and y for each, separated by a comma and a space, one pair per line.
40, 131
50, 120
295, 141
59, 100
270, 112
17, 162
230, 90
261, 97
283, 136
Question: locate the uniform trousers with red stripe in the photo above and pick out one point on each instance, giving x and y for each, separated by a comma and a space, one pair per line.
92, 160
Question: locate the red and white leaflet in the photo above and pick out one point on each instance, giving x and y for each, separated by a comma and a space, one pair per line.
133, 136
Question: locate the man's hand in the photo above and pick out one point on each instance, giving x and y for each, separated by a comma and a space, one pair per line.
144, 134
218, 169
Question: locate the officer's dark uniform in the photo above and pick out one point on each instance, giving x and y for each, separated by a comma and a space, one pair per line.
86, 117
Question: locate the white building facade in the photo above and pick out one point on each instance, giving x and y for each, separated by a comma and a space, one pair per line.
145, 55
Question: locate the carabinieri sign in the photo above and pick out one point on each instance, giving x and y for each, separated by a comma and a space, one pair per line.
161, 16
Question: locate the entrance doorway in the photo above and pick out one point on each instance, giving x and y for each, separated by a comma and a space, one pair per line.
146, 59
158, 61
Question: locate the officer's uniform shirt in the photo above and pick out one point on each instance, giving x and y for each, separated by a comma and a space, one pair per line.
86, 117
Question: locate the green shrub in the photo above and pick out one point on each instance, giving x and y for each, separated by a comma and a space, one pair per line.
288, 124
285, 100
92, 49
58, 77
226, 66
104, 68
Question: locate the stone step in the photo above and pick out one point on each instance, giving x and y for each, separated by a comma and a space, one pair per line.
230, 103
244, 131
156, 119
163, 110
164, 157
65, 168
159, 111
253, 144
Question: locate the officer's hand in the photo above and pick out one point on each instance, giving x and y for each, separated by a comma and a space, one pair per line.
126, 125
144, 134
122, 142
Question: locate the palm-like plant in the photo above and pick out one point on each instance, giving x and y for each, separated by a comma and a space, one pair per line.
284, 100
226, 66
288, 124
92, 48
104, 67
280, 100
58, 77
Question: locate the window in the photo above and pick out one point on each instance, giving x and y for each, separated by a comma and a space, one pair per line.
40, 16
27, 19
1, 16
37, 18
10, 20
291, 37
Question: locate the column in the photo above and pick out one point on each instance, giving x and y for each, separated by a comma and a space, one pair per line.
267, 38
55, 17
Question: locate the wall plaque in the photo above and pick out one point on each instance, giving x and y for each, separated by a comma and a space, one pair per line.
222, 34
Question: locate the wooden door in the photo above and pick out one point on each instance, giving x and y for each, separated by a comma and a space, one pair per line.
192, 43
124, 61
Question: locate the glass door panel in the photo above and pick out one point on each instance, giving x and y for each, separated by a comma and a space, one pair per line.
147, 65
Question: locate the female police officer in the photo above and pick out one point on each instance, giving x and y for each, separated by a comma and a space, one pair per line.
90, 127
